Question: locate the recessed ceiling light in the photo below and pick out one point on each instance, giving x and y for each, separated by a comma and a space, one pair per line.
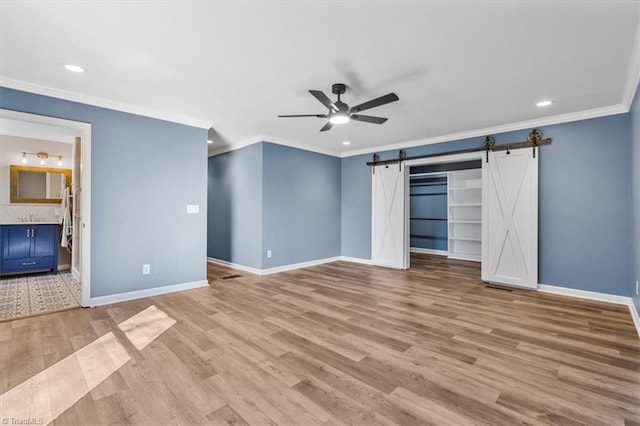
544, 103
209, 141
346, 143
73, 68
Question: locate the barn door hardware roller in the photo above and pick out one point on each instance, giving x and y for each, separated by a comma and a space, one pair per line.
534, 141
488, 144
375, 160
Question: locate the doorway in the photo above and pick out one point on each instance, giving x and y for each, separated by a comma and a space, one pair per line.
76, 229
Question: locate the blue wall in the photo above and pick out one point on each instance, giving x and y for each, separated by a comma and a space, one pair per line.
301, 205
234, 231
356, 201
271, 197
144, 172
584, 202
635, 197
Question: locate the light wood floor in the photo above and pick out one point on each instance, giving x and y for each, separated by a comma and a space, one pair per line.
338, 344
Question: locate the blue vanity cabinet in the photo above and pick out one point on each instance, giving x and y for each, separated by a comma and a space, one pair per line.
28, 248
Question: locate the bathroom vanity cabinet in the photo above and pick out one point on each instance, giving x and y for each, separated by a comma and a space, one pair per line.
29, 248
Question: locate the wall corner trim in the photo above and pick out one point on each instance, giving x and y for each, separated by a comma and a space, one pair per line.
238, 266
139, 294
275, 269
359, 260
293, 266
600, 297
274, 140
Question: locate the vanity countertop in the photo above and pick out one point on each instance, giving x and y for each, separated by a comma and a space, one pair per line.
29, 223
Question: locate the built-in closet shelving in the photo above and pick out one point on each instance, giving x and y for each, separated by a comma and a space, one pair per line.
428, 221
465, 214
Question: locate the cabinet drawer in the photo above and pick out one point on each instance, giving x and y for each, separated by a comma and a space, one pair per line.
28, 264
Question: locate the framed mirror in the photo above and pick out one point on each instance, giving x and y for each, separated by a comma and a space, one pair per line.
29, 184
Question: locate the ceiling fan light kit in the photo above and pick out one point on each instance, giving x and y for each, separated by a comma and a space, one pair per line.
340, 113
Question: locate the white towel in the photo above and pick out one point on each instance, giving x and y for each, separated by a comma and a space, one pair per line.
66, 217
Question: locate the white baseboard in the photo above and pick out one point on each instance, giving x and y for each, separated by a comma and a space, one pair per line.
293, 266
139, 294
356, 260
64, 267
428, 251
235, 265
600, 297
583, 294
275, 269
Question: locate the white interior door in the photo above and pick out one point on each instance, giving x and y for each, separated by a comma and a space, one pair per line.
389, 223
510, 218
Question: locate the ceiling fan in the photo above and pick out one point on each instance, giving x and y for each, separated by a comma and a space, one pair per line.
340, 113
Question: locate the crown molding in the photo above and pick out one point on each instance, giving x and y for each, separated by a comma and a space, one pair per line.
234, 146
520, 125
102, 103
510, 127
271, 139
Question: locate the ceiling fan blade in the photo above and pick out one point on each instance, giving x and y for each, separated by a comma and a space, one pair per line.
368, 119
327, 126
304, 115
319, 95
390, 97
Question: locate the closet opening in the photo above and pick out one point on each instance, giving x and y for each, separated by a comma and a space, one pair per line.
445, 209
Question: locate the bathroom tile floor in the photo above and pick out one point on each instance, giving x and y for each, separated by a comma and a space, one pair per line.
27, 295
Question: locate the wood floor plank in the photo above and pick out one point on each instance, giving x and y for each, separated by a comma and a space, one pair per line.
337, 344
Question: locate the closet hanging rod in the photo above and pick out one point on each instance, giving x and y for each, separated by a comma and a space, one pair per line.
534, 140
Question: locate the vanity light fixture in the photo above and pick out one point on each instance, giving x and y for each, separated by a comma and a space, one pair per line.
41, 156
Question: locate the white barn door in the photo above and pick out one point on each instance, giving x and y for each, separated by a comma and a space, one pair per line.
510, 218
388, 239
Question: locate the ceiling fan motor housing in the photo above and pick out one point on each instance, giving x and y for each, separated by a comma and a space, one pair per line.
338, 88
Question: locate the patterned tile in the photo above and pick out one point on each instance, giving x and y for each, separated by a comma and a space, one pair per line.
26, 295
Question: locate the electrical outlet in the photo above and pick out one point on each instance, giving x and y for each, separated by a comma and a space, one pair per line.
146, 269
268, 254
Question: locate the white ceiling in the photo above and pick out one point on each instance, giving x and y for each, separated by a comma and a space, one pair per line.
26, 129
456, 66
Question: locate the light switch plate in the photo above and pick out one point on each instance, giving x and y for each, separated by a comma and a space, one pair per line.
193, 208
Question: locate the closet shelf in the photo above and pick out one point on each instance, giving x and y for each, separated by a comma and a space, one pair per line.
466, 205
460, 188
471, 222
465, 239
